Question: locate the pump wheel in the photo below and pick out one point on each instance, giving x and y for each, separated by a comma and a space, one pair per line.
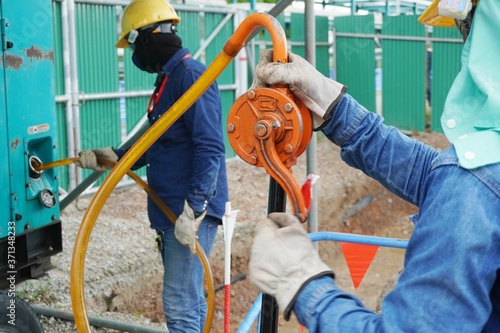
17, 316
270, 128
290, 120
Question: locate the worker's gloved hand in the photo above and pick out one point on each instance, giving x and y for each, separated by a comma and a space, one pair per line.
187, 225
88, 158
283, 260
319, 93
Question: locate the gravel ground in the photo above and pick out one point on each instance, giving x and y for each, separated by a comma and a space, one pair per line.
120, 253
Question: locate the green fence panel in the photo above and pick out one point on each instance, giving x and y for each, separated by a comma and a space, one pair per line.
97, 55
355, 58
191, 29
404, 74
445, 67
212, 21
297, 35
227, 77
296, 31
62, 145
62, 142
323, 56
97, 73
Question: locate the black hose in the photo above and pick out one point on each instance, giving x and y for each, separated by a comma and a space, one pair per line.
233, 280
97, 322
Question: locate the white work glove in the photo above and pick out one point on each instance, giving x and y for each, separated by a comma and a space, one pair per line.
88, 158
318, 93
186, 227
284, 260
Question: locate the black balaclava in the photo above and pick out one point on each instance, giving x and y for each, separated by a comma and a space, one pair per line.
153, 50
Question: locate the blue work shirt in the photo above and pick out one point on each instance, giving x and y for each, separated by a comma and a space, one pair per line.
188, 160
450, 281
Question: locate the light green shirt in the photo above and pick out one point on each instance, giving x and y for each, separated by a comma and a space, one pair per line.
471, 115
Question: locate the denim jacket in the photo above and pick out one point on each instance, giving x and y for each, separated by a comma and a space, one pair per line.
188, 160
451, 279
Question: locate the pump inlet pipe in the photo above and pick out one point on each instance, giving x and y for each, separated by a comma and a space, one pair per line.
230, 50
228, 223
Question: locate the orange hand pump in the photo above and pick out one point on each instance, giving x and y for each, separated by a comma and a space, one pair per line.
270, 128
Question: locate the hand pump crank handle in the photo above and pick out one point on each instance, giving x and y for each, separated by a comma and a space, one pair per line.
267, 154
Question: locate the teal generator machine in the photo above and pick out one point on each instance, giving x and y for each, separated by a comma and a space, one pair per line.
30, 226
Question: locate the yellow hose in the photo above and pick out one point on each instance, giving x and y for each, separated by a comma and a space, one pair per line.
125, 163
230, 50
50, 165
168, 213
199, 250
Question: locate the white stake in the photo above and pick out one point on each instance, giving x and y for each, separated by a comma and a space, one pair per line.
228, 222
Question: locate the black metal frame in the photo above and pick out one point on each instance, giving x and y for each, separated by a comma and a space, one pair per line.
33, 250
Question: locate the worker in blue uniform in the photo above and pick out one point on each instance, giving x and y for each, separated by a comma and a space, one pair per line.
451, 277
185, 166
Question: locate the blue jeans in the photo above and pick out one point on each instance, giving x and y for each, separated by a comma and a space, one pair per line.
184, 302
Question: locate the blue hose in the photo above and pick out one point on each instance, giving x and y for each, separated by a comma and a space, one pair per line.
326, 236
251, 315
360, 239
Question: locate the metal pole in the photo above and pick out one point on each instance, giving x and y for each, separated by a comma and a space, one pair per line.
277, 203
269, 308
75, 103
310, 45
67, 90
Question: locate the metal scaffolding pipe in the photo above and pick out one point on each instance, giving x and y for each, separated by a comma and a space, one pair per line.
68, 111
127, 94
73, 62
311, 153
95, 321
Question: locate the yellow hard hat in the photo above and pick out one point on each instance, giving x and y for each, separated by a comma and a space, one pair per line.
431, 17
140, 13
